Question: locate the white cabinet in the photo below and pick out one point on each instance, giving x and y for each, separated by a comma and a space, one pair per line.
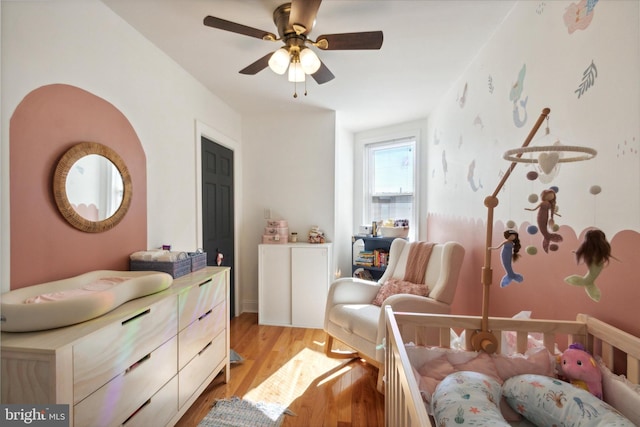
142, 364
294, 279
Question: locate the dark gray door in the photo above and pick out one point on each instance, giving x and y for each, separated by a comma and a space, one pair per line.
217, 208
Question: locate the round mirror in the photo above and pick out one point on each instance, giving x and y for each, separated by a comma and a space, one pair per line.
92, 187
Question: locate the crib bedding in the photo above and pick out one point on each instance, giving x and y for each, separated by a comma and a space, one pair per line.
434, 365
458, 387
477, 399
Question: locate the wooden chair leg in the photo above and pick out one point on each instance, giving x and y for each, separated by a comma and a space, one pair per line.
334, 354
380, 383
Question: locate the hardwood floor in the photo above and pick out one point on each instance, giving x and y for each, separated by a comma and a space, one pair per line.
288, 366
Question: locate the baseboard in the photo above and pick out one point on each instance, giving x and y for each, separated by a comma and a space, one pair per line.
249, 306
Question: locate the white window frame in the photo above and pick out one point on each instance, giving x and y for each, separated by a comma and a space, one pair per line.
361, 181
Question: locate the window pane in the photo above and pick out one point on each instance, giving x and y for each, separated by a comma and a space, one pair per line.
393, 170
391, 181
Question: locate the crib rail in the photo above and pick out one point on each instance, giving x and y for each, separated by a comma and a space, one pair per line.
404, 406
403, 402
435, 330
604, 340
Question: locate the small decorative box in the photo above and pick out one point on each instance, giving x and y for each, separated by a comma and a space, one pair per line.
278, 223
275, 239
283, 231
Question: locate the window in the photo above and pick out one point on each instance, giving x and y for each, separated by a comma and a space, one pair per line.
390, 181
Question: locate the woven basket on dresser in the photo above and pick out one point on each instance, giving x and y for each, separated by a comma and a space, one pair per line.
174, 268
198, 260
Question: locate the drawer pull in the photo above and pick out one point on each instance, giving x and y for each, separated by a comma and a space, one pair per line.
205, 282
136, 411
138, 363
206, 314
205, 347
144, 313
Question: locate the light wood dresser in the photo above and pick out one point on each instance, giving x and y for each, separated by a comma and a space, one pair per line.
142, 364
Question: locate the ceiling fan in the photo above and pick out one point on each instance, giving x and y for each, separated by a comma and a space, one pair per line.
294, 22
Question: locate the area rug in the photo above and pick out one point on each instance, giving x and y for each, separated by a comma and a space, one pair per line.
236, 412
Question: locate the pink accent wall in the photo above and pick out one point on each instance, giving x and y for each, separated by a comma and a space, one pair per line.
44, 247
543, 290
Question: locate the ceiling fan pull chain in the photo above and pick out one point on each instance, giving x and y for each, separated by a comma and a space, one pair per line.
295, 89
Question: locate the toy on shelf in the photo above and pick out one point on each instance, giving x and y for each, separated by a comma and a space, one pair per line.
395, 228
316, 235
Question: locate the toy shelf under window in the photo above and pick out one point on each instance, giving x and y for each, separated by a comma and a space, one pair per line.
369, 256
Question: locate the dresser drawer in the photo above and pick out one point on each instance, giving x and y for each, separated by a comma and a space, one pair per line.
196, 371
106, 353
196, 336
201, 298
159, 409
117, 400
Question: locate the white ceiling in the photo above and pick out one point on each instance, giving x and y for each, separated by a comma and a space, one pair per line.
427, 46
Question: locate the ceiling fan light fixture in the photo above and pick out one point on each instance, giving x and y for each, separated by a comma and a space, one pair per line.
296, 73
279, 61
309, 61
294, 21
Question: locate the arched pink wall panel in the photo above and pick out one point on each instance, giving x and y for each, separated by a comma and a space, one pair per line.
44, 247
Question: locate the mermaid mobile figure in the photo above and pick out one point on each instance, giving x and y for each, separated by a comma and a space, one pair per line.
546, 211
595, 251
510, 248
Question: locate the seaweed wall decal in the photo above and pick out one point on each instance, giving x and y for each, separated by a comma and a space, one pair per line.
588, 79
540, 8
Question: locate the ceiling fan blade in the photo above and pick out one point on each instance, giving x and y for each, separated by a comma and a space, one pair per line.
223, 24
323, 74
348, 41
257, 66
303, 12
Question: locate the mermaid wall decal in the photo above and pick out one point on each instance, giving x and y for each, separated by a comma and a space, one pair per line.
515, 95
470, 177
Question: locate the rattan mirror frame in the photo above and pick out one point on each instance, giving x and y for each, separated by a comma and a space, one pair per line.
63, 167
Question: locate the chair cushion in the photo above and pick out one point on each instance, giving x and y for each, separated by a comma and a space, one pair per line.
358, 319
395, 286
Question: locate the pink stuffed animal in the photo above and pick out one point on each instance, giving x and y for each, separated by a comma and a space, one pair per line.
581, 369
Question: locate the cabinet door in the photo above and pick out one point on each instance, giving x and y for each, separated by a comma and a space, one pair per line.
274, 285
309, 285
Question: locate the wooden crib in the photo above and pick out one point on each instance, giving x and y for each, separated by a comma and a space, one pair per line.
404, 405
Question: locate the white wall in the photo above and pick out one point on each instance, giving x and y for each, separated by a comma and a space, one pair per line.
83, 43
483, 124
343, 201
288, 170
